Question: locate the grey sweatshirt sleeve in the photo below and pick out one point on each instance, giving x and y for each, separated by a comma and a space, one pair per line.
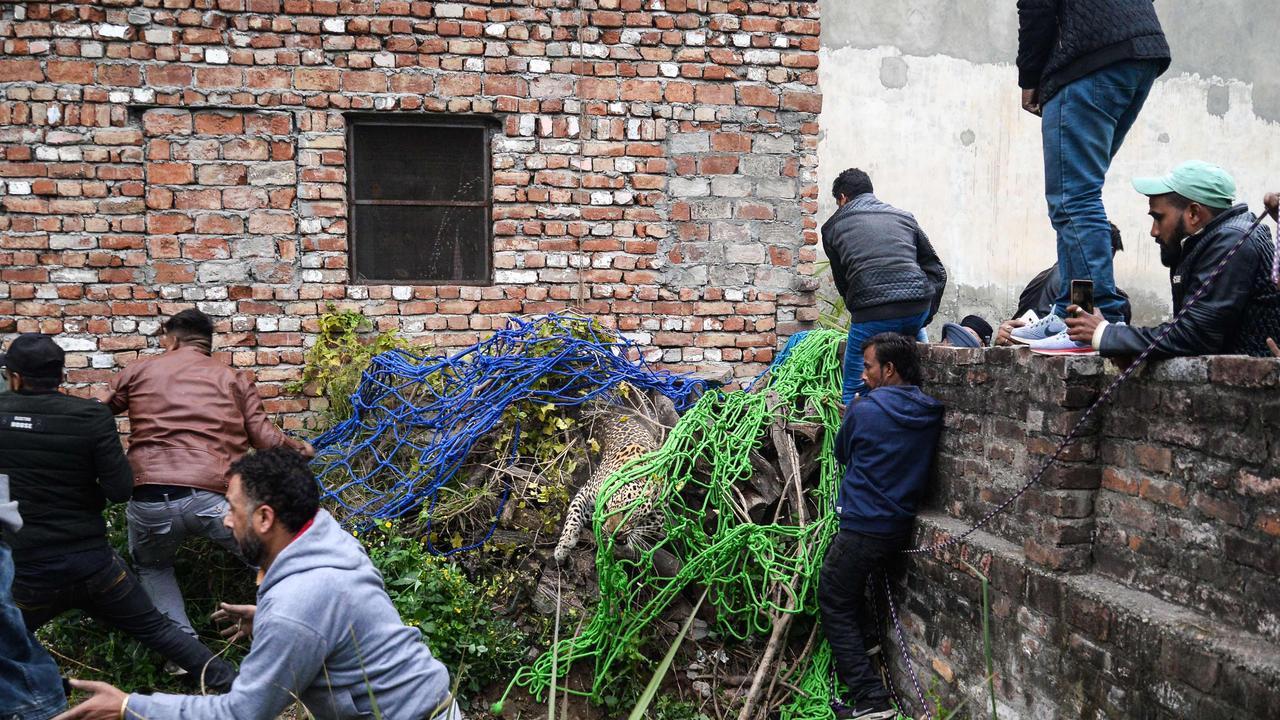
285, 659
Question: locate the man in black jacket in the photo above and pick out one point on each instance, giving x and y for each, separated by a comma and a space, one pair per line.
64, 462
1197, 225
884, 267
1086, 66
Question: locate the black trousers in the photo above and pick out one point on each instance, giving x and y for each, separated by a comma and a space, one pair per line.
99, 583
852, 563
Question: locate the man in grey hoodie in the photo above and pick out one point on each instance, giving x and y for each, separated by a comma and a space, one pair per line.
324, 630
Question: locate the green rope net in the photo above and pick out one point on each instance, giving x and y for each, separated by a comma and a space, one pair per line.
749, 569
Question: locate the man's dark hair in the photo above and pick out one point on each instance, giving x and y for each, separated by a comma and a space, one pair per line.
1182, 203
851, 183
40, 384
1117, 242
190, 324
899, 351
280, 477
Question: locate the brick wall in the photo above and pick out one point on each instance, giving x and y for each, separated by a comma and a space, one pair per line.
1140, 579
654, 166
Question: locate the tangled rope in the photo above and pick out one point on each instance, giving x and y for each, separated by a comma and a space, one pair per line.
416, 419
751, 570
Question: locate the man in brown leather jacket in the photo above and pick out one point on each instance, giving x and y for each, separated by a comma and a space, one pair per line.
190, 417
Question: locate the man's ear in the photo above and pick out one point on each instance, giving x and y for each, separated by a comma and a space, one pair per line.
263, 519
1199, 215
888, 370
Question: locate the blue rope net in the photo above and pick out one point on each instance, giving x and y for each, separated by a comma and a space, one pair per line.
416, 419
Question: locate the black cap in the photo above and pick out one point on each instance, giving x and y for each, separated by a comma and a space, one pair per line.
35, 356
980, 326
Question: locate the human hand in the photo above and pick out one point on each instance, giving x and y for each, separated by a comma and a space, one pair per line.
1031, 102
1081, 325
1004, 334
239, 619
1272, 203
308, 450
105, 703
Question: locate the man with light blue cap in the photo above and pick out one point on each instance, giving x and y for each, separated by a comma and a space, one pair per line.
1196, 222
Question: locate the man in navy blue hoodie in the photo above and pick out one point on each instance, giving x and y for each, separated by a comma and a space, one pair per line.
886, 443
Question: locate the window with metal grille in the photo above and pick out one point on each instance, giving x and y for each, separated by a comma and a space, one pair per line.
420, 199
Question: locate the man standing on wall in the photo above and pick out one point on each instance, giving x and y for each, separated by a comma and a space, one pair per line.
190, 417
1086, 68
883, 266
886, 443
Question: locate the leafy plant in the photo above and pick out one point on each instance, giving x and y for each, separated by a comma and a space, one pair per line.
456, 615
832, 314
339, 357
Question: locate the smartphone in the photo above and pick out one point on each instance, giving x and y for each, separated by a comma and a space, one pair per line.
1082, 295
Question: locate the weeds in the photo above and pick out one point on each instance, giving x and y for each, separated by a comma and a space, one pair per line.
456, 615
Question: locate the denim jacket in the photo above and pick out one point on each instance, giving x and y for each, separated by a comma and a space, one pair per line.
30, 687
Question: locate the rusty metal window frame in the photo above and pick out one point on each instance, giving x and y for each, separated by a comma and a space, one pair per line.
485, 124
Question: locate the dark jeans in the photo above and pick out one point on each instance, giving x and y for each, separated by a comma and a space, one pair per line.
99, 583
852, 561
1083, 127
30, 687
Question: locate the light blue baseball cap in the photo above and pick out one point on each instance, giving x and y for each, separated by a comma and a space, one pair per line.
1194, 180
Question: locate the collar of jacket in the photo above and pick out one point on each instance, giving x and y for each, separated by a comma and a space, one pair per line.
861, 202
1189, 244
194, 347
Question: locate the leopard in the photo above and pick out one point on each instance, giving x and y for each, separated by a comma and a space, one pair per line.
626, 438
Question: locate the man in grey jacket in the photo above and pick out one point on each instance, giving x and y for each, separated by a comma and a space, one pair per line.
324, 630
884, 267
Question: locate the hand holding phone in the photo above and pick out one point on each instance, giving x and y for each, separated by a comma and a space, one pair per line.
1082, 295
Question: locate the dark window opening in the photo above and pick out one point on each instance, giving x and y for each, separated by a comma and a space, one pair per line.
420, 200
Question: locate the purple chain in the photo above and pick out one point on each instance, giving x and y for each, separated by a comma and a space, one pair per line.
902, 646
1102, 399
1275, 258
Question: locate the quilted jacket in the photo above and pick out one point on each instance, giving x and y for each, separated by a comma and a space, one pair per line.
882, 262
1060, 41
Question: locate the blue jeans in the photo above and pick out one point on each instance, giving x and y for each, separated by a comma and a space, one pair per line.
858, 333
1083, 127
30, 687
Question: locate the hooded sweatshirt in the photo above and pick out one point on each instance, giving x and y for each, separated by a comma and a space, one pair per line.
326, 632
886, 442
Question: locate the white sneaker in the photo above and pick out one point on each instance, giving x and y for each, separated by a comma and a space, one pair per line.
1045, 327
1061, 344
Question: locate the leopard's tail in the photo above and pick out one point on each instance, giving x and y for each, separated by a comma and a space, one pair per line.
573, 524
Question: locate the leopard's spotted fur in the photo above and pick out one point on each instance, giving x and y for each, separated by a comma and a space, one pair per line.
625, 438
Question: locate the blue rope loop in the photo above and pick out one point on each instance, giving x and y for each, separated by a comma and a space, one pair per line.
416, 419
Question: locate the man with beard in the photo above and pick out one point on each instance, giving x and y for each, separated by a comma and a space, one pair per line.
324, 631
1196, 224
886, 443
